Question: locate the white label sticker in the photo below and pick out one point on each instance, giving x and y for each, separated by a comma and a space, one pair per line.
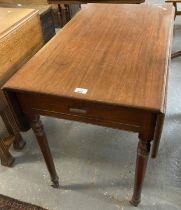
81, 90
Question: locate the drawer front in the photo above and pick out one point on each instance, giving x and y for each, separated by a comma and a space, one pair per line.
81, 110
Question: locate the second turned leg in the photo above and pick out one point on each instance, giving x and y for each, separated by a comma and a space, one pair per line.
141, 164
43, 144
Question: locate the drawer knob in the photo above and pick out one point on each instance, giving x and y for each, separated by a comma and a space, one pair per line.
78, 111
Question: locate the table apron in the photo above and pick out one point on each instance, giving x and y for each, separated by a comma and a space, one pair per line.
108, 115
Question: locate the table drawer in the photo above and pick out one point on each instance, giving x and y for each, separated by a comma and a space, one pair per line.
81, 110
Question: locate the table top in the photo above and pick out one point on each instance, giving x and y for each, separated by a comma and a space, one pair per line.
12, 17
118, 53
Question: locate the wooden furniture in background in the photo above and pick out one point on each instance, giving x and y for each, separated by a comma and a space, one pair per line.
107, 67
9, 134
6, 158
61, 13
46, 17
174, 2
5, 142
20, 38
67, 4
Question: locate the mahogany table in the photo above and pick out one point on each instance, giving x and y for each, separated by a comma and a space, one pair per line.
106, 67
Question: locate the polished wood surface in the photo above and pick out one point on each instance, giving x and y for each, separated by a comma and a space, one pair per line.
122, 66
107, 54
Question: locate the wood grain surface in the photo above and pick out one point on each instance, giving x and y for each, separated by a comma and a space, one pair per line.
9, 18
119, 53
41, 8
21, 38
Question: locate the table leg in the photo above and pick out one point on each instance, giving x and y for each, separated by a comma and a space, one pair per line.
141, 164
43, 144
6, 158
12, 128
67, 13
60, 16
176, 54
175, 5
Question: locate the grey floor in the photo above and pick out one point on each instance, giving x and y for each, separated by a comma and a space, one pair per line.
96, 164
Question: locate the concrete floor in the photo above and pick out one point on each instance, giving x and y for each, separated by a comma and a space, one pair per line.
90, 162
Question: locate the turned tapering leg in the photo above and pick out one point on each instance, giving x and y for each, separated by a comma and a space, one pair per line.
43, 144
141, 164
